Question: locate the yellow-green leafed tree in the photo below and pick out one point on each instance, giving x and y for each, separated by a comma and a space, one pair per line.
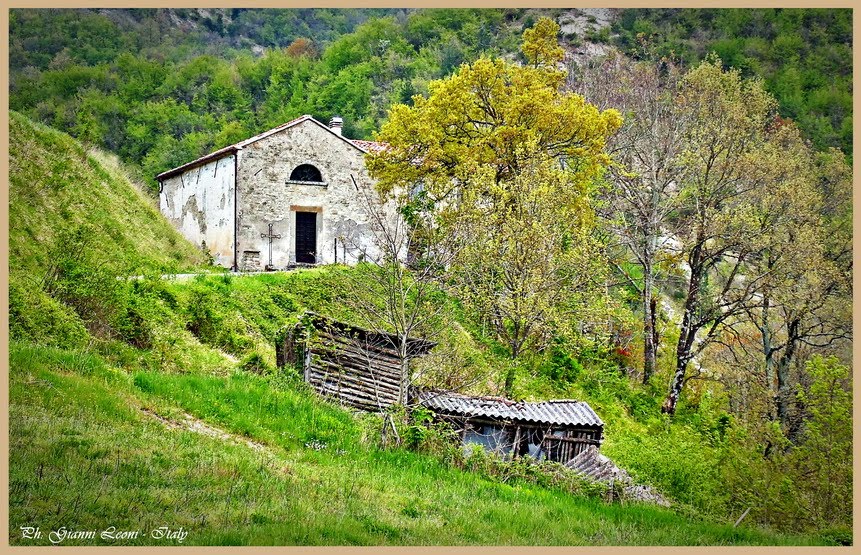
539, 43
805, 295
506, 161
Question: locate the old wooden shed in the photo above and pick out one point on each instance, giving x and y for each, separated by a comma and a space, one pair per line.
361, 369
355, 366
555, 430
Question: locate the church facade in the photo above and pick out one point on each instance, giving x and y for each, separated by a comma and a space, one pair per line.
298, 194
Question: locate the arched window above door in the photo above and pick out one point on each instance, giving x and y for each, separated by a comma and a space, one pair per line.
306, 173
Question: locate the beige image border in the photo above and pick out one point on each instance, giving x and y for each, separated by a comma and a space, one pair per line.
4, 253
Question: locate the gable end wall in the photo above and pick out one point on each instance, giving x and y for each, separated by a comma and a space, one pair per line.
266, 195
200, 204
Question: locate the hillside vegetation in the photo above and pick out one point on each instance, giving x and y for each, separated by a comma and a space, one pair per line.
677, 253
68, 204
86, 454
107, 407
803, 55
58, 188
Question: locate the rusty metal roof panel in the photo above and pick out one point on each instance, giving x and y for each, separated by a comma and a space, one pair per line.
559, 412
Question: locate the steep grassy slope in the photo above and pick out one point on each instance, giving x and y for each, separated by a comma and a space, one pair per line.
57, 186
85, 456
90, 352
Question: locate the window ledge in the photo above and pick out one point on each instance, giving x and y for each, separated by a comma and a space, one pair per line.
312, 183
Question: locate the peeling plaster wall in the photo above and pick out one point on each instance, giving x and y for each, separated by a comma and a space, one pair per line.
200, 204
267, 196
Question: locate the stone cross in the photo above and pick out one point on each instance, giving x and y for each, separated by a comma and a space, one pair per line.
270, 236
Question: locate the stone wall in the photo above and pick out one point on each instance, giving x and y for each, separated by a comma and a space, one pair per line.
200, 204
267, 195
200, 201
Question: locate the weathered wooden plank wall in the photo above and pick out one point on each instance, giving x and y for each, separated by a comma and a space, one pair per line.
356, 367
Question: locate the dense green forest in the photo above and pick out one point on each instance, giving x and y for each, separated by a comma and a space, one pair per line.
161, 87
688, 271
803, 55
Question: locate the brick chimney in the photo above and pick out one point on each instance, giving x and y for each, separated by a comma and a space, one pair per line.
335, 124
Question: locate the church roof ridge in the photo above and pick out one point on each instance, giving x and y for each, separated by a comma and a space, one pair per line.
364, 146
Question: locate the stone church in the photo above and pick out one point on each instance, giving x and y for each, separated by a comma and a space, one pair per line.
297, 194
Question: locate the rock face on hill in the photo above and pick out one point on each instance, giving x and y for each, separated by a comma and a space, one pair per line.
583, 20
595, 466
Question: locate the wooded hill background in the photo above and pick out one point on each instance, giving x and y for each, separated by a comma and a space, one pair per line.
160, 87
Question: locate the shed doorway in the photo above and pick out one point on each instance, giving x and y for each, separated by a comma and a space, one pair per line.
306, 237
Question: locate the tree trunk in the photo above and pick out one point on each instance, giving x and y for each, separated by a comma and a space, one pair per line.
784, 392
509, 381
403, 390
669, 406
683, 356
656, 340
768, 352
688, 332
649, 344
510, 374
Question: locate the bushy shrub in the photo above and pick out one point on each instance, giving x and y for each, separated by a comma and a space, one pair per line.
255, 363
36, 317
203, 318
806, 484
87, 282
418, 430
211, 318
561, 366
841, 535
675, 459
526, 470
456, 363
144, 311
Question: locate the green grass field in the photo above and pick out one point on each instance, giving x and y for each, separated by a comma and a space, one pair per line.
85, 455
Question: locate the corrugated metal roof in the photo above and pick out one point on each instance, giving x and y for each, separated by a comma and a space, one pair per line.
564, 412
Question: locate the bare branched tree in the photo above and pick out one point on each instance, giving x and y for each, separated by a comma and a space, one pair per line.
645, 171
395, 287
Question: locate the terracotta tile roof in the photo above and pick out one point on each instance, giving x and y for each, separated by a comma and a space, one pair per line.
370, 146
560, 412
364, 146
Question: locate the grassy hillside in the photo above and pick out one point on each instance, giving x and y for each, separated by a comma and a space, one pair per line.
57, 186
103, 372
89, 410
86, 455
